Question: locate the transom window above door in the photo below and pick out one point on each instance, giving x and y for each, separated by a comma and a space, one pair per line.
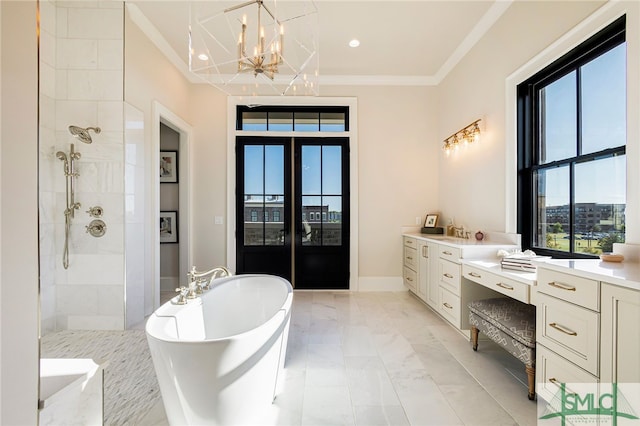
292, 119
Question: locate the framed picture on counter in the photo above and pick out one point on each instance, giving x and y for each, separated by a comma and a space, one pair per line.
168, 227
431, 220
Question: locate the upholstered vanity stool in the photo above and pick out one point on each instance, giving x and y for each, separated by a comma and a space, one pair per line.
511, 324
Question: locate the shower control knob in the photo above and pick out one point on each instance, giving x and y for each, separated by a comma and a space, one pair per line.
96, 228
96, 211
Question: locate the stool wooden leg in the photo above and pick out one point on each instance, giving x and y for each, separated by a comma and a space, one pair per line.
531, 378
474, 337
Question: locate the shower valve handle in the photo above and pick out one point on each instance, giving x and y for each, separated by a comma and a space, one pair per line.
96, 228
96, 211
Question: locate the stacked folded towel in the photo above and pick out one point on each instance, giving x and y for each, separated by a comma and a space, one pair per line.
521, 261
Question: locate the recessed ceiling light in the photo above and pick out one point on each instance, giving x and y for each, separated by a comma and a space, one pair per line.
203, 57
354, 43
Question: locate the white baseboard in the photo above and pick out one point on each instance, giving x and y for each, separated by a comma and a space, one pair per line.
381, 284
169, 283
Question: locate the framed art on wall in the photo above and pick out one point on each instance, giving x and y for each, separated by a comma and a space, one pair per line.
168, 227
168, 166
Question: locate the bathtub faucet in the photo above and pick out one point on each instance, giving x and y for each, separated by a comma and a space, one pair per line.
199, 281
182, 295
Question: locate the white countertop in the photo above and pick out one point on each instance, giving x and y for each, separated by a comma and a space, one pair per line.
493, 266
624, 274
459, 242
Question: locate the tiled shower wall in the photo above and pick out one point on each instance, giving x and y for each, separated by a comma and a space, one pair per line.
82, 84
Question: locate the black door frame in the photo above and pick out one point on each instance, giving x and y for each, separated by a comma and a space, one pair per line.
290, 258
310, 274
268, 259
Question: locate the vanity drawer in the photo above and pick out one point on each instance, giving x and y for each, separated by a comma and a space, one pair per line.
570, 331
449, 275
410, 278
512, 288
449, 306
410, 257
552, 370
410, 242
449, 253
578, 290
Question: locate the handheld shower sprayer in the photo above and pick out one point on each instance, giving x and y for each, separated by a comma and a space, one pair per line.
83, 134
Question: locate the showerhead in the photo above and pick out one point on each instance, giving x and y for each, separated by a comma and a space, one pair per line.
61, 156
83, 134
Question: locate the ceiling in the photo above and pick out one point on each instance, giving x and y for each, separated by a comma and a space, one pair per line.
402, 42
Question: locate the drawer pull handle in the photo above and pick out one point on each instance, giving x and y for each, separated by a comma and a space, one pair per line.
448, 306
473, 274
448, 253
505, 286
448, 275
562, 286
558, 384
409, 279
409, 258
563, 329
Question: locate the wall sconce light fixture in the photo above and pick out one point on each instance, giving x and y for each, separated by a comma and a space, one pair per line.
464, 136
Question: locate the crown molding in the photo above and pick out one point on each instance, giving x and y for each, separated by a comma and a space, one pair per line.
479, 30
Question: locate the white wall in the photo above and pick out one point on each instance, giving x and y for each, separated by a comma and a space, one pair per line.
397, 165
19, 221
476, 184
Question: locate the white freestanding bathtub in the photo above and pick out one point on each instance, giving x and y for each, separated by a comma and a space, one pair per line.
218, 357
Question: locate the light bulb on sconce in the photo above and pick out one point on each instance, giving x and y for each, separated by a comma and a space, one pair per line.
467, 135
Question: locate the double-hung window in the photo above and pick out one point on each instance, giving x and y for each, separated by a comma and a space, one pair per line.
571, 150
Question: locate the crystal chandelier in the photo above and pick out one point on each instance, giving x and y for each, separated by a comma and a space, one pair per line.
259, 47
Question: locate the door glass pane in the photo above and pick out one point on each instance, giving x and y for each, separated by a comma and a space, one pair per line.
332, 221
264, 195
558, 117
311, 170
274, 169
253, 169
600, 200
332, 122
312, 226
307, 122
603, 91
553, 208
332, 170
253, 220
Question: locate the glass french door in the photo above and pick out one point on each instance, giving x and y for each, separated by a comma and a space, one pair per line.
292, 209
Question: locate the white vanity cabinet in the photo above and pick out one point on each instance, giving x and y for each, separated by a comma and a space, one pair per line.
567, 331
410, 263
620, 327
416, 266
432, 270
453, 293
423, 270
587, 329
431, 279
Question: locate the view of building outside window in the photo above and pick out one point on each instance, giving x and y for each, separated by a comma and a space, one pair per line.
581, 198
264, 200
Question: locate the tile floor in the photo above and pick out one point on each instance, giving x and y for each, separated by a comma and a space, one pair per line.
384, 358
